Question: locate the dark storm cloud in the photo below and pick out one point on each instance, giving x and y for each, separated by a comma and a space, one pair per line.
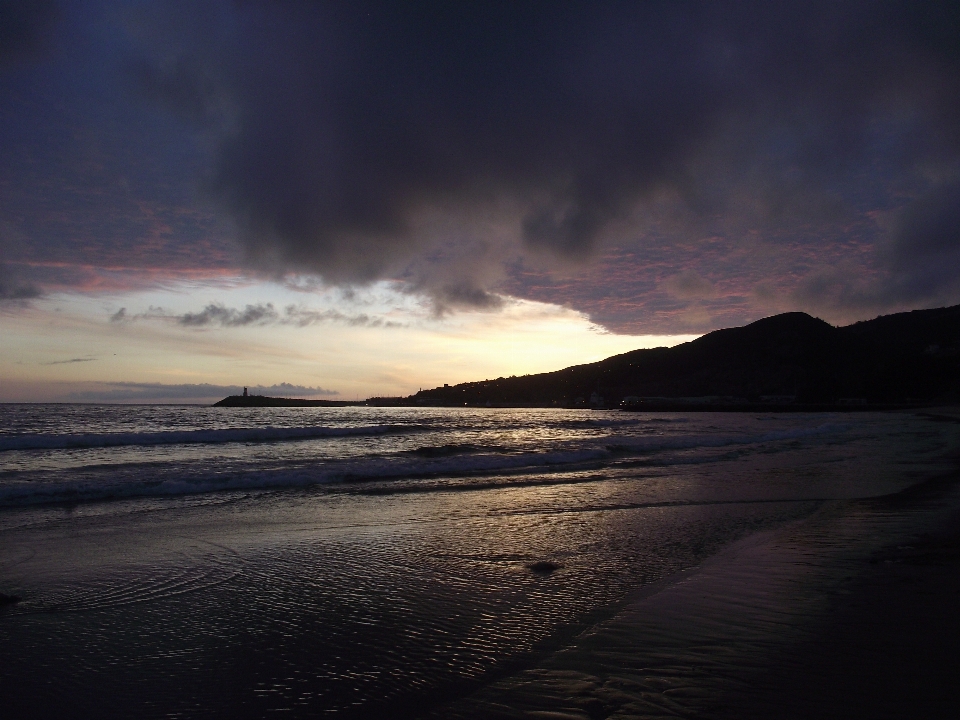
917, 264
452, 296
346, 125
23, 26
925, 252
597, 155
182, 83
14, 291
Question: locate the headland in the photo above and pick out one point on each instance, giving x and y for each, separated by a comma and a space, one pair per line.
785, 363
247, 401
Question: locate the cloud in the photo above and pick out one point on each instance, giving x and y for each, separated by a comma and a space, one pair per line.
16, 292
302, 317
23, 26
154, 392
917, 264
213, 314
689, 285
447, 145
362, 139
924, 255
70, 361
260, 314
121, 316
447, 297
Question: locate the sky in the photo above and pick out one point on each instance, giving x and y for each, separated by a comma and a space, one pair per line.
346, 200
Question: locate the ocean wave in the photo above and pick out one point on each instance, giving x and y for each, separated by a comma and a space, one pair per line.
451, 461
181, 437
690, 442
435, 451
116, 486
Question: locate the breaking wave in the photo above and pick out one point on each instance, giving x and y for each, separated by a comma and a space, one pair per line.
183, 437
449, 461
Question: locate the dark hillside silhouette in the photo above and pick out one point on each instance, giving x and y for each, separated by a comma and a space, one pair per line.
791, 358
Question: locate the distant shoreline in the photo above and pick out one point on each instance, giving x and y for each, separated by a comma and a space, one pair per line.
265, 401
656, 405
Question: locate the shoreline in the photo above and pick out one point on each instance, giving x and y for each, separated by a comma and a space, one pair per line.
849, 612
434, 598
655, 405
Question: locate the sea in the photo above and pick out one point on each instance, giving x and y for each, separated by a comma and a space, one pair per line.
188, 561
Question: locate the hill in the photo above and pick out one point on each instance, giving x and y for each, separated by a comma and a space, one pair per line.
791, 358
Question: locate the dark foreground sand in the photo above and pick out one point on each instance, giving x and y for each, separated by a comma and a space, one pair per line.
853, 612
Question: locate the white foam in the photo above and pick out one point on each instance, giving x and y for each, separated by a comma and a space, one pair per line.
179, 437
370, 467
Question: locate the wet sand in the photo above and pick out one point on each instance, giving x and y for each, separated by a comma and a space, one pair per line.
849, 613
767, 599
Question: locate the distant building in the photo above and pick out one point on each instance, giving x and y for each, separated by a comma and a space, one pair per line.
245, 392
778, 399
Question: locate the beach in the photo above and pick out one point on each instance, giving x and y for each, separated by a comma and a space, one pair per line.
850, 613
470, 563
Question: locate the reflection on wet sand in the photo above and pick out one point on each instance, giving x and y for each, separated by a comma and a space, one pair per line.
849, 613
705, 578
